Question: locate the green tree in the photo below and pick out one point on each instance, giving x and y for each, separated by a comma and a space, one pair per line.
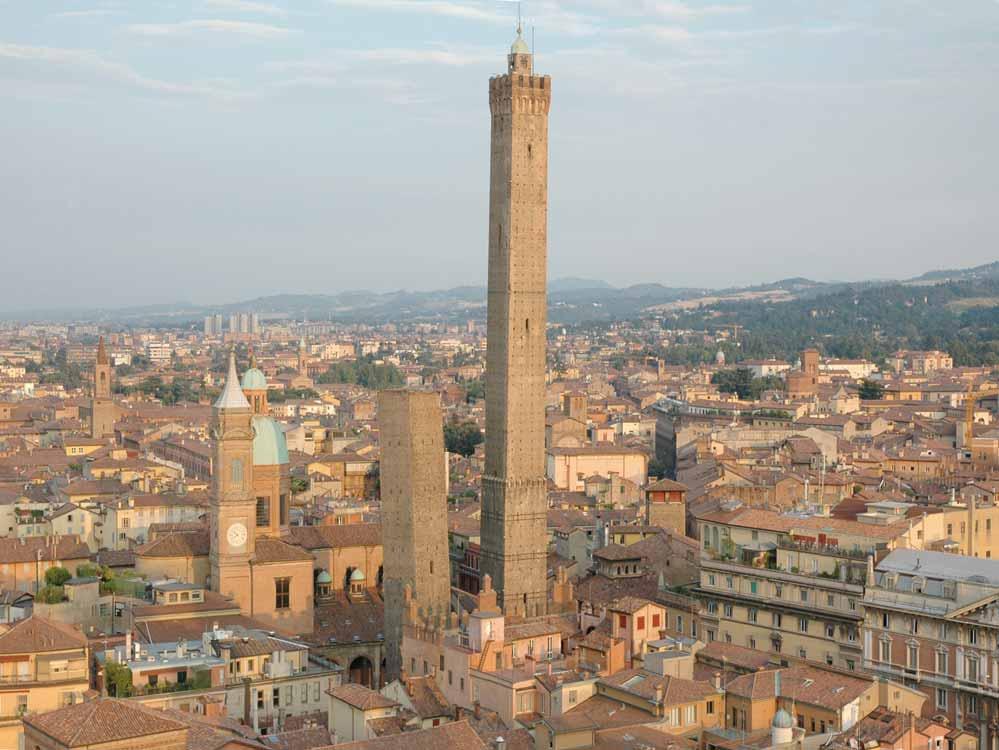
462, 437
366, 372
50, 594
57, 576
738, 381
871, 390
117, 679
475, 390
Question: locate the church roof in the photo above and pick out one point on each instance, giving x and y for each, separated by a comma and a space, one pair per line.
270, 447
178, 544
270, 550
232, 396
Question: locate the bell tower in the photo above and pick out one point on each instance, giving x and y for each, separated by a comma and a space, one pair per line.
102, 409
232, 505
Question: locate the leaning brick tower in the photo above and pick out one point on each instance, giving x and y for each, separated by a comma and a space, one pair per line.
514, 500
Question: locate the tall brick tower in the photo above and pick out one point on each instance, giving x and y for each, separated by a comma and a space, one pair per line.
102, 409
232, 507
414, 512
514, 501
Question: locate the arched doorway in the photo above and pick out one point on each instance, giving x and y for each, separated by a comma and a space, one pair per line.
362, 671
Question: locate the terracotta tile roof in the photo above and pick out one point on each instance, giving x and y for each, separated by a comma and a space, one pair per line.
753, 686
192, 628
641, 738
25, 549
360, 697
457, 735
805, 684
718, 653
606, 713
388, 725
675, 690
124, 558
599, 590
616, 552
100, 721
349, 535
300, 739
259, 646
666, 485
213, 733
36, 634
84, 487
270, 550
180, 544
754, 518
213, 602
427, 699
628, 604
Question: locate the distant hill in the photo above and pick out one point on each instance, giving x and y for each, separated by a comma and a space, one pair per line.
571, 300
978, 273
574, 284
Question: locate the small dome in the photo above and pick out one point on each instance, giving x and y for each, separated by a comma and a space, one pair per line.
254, 380
357, 576
519, 46
270, 447
324, 577
782, 720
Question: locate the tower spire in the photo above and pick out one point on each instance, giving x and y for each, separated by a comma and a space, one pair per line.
102, 352
232, 396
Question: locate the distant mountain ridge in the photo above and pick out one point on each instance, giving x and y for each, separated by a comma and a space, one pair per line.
571, 300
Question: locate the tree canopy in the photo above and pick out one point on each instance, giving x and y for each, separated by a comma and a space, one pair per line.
462, 437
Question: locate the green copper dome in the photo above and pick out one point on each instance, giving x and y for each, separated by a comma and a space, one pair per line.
269, 444
254, 380
357, 576
324, 577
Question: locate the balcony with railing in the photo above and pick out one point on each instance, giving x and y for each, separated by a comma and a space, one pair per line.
45, 676
820, 548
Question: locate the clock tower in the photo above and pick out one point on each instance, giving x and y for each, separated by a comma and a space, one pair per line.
232, 504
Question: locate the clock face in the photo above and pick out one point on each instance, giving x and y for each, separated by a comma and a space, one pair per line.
236, 535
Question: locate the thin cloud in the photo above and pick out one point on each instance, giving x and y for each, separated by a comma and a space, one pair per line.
72, 66
211, 26
429, 7
247, 6
90, 13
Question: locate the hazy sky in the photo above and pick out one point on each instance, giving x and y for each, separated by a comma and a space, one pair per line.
213, 150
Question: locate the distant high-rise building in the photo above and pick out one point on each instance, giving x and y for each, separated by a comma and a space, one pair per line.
234, 323
514, 502
213, 325
254, 323
414, 512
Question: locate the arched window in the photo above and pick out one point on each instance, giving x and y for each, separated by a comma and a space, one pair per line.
237, 472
